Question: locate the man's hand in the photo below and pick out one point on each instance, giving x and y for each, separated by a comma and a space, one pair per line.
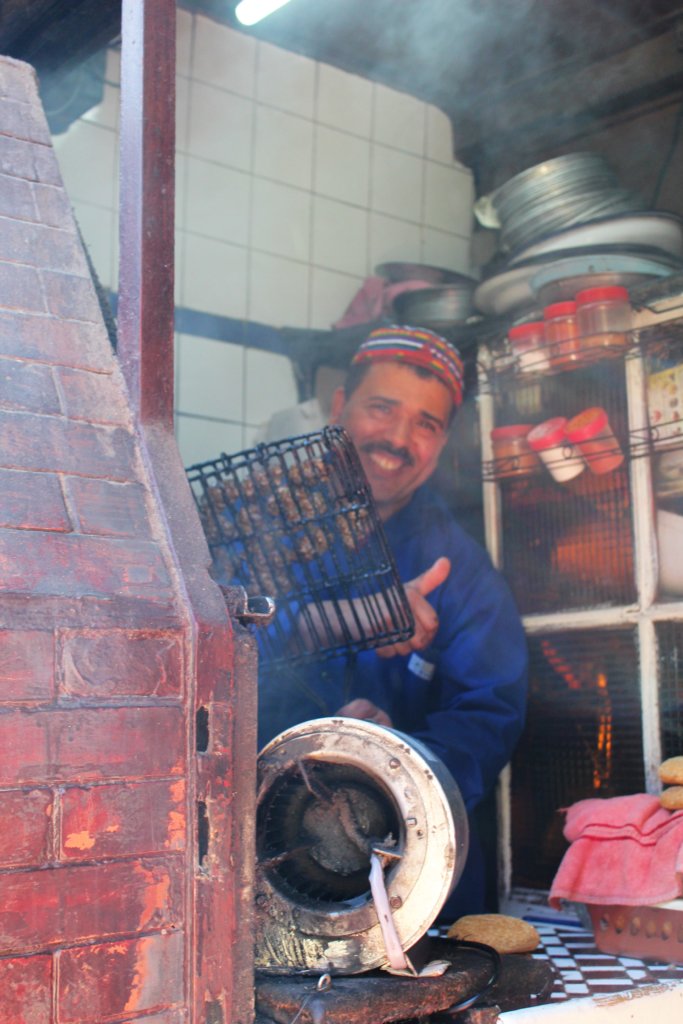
426, 619
365, 709
324, 622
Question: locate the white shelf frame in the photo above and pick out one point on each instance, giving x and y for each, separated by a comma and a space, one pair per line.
643, 615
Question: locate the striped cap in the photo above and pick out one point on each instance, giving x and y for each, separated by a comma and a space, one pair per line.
418, 347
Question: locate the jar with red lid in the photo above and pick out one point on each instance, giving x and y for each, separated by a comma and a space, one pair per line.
512, 455
562, 334
603, 316
592, 434
549, 440
527, 341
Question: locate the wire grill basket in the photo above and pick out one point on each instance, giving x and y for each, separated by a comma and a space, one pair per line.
295, 520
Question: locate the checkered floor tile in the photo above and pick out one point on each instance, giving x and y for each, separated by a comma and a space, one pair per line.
582, 970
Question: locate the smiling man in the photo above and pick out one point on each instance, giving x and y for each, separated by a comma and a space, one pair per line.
459, 683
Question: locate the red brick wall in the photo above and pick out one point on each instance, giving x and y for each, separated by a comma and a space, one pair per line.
103, 661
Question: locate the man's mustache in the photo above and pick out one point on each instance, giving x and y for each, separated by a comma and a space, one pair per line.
388, 449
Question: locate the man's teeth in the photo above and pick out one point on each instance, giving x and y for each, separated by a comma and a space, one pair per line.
385, 461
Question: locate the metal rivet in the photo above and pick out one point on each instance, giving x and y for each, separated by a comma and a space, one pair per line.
411, 822
395, 902
394, 763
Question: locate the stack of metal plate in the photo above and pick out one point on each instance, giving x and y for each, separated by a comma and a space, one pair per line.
558, 194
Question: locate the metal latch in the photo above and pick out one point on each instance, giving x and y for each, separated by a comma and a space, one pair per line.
257, 611
249, 611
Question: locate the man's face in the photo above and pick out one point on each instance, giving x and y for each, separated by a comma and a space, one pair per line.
398, 422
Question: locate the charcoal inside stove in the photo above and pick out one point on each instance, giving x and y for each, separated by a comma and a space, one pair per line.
316, 829
295, 520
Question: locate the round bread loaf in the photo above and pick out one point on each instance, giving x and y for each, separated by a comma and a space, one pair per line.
672, 798
505, 934
671, 771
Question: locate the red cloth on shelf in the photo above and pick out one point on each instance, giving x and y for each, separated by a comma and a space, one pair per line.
374, 300
624, 850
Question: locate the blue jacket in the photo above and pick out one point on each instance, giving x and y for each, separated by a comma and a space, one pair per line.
465, 695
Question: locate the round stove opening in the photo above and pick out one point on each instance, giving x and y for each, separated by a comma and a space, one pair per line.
316, 828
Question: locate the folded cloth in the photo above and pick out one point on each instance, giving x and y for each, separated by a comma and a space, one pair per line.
374, 300
624, 850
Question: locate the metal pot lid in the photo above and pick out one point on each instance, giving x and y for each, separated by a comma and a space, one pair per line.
396, 272
658, 231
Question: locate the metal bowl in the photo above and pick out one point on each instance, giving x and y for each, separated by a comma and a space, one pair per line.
449, 304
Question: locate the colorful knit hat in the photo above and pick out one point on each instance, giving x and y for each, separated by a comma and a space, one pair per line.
418, 347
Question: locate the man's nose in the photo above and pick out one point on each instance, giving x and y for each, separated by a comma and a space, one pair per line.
399, 432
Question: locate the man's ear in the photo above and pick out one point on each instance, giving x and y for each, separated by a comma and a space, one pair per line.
337, 404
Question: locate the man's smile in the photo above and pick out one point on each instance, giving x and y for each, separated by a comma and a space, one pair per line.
386, 458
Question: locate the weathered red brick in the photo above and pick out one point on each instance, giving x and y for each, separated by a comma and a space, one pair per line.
22, 120
32, 501
18, 80
90, 744
27, 823
179, 1016
41, 246
49, 340
71, 296
104, 981
120, 663
122, 819
79, 903
108, 509
28, 160
28, 441
52, 206
26, 664
27, 386
17, 198
26, 990
74, 566
20, 288
96, 397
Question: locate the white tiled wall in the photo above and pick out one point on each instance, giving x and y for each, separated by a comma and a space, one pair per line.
293, 181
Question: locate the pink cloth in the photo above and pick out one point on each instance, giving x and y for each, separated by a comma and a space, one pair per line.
374, 300
626, 850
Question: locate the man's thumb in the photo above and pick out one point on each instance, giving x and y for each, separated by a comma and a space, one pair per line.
431, 578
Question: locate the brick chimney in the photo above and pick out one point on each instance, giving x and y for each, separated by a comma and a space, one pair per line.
111, 907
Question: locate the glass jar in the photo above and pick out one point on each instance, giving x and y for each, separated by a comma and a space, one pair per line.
562, 334
561, 458
512, 455
603, 316
527, 341
591, 432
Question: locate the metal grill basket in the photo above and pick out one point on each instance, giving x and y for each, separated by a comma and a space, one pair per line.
295, 520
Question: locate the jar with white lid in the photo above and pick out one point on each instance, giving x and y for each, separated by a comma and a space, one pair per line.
527, 341
561, 457
603, 317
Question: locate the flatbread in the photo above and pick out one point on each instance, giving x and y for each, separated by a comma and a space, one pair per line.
671, 771
672, 798
506, 934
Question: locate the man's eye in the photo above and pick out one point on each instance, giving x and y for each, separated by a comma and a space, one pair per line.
429, 426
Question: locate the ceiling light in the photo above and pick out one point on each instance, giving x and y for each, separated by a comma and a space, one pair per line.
248, 12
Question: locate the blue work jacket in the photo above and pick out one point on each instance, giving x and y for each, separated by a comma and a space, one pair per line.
465, 695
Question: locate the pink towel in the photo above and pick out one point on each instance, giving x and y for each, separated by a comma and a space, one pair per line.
626, 850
